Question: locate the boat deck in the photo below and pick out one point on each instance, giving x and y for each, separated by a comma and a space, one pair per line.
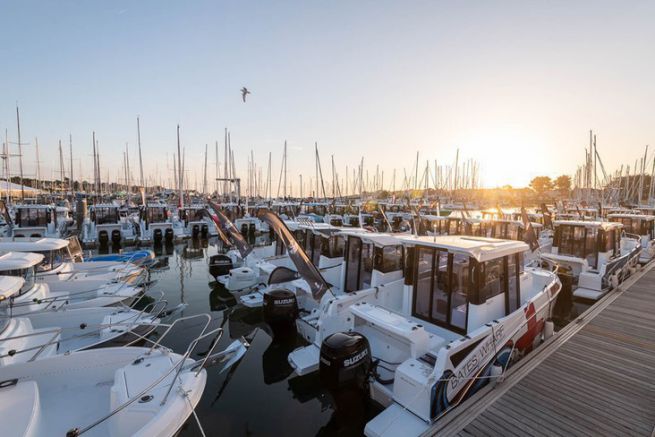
595, 378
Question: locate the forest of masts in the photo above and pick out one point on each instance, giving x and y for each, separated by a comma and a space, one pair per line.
626, 185
361, 180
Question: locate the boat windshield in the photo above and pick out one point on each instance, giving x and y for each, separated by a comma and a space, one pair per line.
32, 217
52, 259
157, 215
27, 274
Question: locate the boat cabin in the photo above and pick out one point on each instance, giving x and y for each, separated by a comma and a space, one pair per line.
155, 213
460, 282
594, 241
371, 259
637, 224
35, 220
193, 213
104, 214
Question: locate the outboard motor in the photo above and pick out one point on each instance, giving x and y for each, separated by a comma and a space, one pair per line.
281, 311
251, 229
220, 265
103, 238
244, 229
204, 231
168, 236
195, 232
157, 236
116, 236
344, 367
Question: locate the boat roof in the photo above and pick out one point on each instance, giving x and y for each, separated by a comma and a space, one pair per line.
19, 260
379, 239
28, 244
104, 205
588, 223
480, 248
35, 206
10, 285
632, 216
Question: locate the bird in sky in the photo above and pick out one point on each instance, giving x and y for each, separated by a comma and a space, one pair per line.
244, 93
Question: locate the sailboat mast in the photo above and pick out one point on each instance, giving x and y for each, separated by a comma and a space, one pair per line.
138, 137
204, 184
70, 151
179, 166
20, 156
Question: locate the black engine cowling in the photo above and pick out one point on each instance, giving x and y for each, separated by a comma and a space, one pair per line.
345, 361
204, 231
280, 308
195, 231
116, 236
103, 238
157, 236
220, 265
168, 236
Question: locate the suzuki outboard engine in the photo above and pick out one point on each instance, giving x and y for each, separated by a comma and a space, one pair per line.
195, 231
168, 236
116, 236
103, 238
204, 231
220, 265
344, 368
157, 236
280, 311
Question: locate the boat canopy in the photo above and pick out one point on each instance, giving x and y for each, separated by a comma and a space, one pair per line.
19, 260
480, 248
376, 239
10, 285
633, 216
26, 244
588, 224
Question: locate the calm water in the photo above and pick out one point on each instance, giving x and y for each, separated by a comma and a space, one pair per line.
260, 396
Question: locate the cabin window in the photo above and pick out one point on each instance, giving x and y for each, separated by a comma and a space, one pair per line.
280, 248
437, 273
514, 265
51, 260
453, 227
316, 248
353, 253
389, 258
463, 282
366, 266
493, 279
156, 215
408, 270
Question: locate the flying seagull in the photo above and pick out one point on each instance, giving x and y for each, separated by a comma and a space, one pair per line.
244, 92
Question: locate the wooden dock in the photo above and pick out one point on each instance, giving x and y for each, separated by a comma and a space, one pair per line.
596, 377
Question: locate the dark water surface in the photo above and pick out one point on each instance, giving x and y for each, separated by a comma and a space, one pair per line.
260, 396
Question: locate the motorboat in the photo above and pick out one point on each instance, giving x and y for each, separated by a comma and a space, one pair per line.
38, 295
59, 262
599, 255
639, 226
40, 334
105, 224
155, 225
115, 391
434, 317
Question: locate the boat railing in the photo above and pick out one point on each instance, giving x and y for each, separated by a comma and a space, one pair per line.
39, 348
177, 368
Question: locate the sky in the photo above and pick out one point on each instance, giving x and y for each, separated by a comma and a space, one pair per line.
515, 85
